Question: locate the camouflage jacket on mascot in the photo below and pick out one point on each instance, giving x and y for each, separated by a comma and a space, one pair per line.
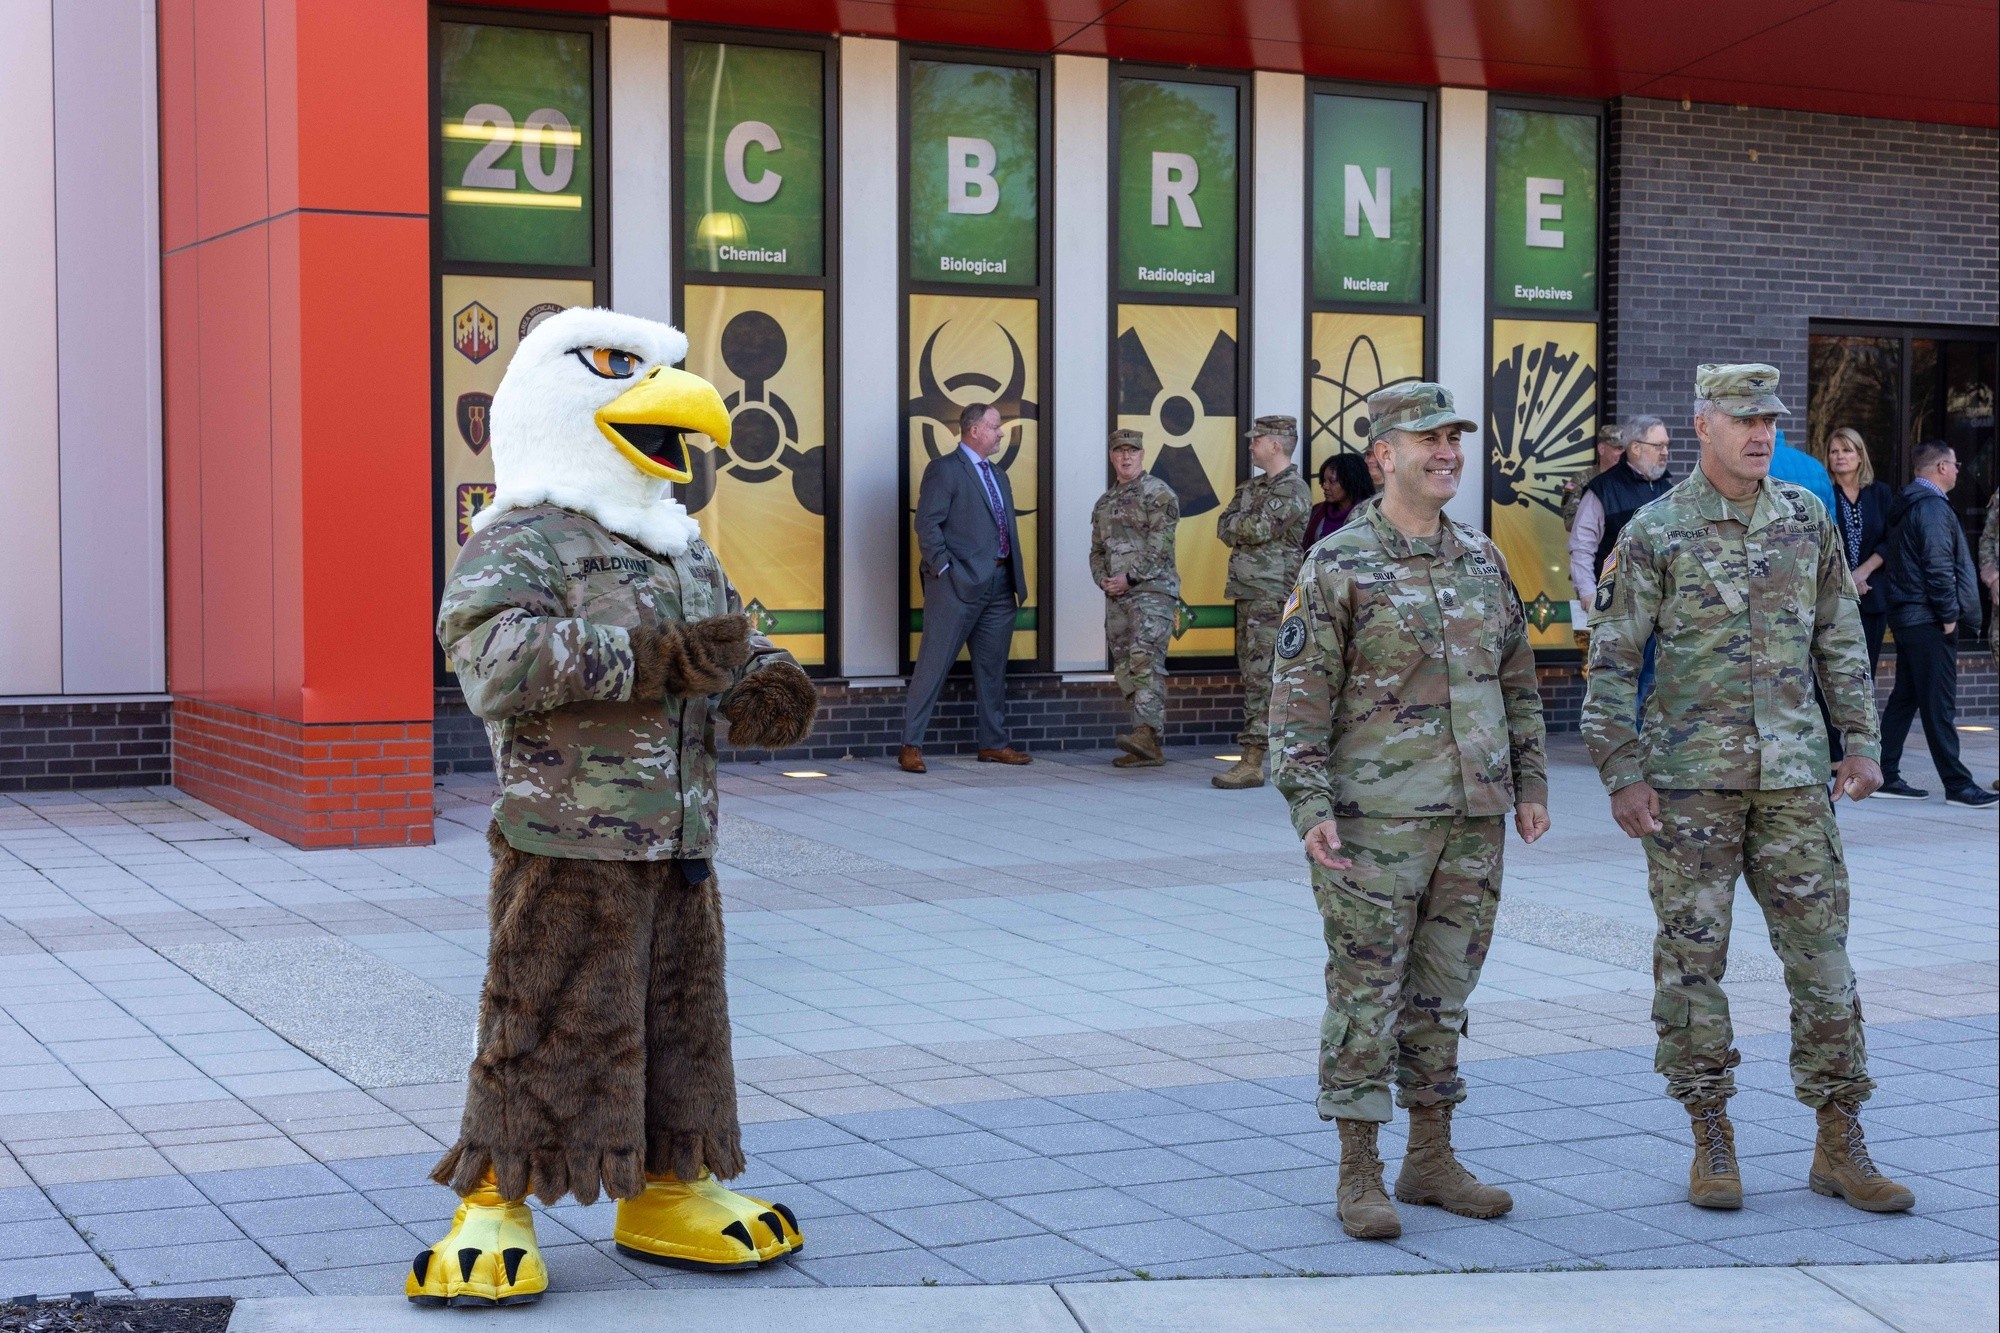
594, 632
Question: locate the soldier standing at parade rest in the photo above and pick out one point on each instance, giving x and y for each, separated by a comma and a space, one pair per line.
1406, 724
1744, 581
1263, 526
1132, 558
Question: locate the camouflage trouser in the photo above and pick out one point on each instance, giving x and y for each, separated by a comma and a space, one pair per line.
1137, 627
1256, 642
1407, 929
1786, 845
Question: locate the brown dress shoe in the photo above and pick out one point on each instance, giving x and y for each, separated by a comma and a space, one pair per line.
1006, 754
911, 760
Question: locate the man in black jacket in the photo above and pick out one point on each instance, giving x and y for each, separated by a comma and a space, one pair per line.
1933, 589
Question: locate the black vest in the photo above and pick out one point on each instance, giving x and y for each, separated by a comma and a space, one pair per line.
1621, 490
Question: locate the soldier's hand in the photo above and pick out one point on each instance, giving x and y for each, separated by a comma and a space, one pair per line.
1117, 585
1637, 809
1531, 821
1323, 846
1951, 627
1856, 778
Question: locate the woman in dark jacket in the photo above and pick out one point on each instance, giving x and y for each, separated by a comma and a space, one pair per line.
1344, 480
1862, 510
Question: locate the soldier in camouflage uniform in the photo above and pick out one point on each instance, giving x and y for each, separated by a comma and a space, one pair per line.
1989, 574
1407, 725
1744, 581
1264, 527
1132, 530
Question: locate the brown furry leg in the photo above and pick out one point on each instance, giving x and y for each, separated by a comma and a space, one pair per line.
690, 1076
556, 1097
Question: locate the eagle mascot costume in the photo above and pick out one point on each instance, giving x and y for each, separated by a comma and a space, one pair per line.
593, 631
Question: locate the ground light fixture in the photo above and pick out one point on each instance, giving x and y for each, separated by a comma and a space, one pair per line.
1229, 758
803, 773
1975, 728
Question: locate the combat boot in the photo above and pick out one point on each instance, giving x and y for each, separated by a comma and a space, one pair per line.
1433, 1174
1142, 749
1713, 1180
1247, 771
1841, 1167
1365, 1210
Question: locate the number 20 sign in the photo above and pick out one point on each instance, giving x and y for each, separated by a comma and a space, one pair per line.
515, 155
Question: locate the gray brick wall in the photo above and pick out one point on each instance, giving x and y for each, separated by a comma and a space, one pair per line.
82, 743
1731, 228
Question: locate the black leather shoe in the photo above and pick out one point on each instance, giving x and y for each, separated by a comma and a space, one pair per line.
1898, 790
1973, 799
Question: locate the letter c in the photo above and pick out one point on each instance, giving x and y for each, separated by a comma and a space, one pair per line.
765, 187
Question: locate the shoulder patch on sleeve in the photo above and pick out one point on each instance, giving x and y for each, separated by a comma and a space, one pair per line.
1605, 583
1292, 637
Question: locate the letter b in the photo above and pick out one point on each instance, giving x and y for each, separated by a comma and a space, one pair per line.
1175, 176
969, 183
765, 187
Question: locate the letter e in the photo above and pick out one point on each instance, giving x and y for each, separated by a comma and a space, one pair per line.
1540, 190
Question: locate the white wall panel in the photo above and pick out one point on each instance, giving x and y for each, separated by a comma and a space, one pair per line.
1081, 355
1461, 308
108, 347
871, 509
1278, 247
642, 260
30, 489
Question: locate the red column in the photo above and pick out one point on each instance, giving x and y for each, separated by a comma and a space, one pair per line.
295, 255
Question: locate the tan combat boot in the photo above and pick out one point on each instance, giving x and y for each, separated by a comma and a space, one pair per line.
1365, 1210
1433, 1174
1841, 1167
1713, 1180
1142, 749
1245, 772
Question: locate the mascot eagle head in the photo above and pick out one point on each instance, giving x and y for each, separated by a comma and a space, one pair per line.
592, 416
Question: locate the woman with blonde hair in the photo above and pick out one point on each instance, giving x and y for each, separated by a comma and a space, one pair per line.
1863, 508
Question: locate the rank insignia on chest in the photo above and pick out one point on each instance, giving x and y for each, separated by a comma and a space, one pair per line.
1291, 637
1447, 599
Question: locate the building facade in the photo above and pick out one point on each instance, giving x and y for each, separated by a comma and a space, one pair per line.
269, 274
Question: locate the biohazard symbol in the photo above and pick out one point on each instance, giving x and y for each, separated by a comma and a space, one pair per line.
1177, 410
939, 401
1346, 426
763, 430
1544, 413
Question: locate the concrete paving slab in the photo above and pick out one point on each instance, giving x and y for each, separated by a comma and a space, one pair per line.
1913, 1298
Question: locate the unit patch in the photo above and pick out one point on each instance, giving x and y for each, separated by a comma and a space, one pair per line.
1292, 637
472, 497
1602, 602
475, 332
536, 314
474, 420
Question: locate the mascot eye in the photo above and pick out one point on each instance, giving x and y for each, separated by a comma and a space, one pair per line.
608, 362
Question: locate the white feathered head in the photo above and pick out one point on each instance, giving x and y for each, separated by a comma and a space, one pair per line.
592, 416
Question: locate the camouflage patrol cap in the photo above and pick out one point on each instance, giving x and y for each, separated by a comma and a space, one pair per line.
1746, 390
1416, 406
1127, 439
1282, 428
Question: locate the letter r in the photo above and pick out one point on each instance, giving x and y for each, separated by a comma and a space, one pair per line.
1175, 176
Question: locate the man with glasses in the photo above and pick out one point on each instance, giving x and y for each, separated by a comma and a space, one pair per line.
1609, 500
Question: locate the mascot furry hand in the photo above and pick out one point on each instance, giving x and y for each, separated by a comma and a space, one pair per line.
597, 636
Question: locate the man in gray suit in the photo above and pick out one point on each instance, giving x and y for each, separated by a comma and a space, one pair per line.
974, 577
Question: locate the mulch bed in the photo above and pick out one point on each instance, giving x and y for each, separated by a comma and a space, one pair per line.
192, 1315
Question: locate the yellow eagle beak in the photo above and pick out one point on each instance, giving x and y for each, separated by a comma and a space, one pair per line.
650, 422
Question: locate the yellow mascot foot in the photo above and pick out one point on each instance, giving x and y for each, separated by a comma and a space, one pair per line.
699, 1224
489, 1257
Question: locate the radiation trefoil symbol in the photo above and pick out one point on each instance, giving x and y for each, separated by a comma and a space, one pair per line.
1177, 410
763, 430
940, 399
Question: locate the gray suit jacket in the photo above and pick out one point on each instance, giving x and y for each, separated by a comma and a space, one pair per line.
956, 532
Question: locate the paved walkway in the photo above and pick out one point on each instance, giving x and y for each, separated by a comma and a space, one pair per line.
993, 1026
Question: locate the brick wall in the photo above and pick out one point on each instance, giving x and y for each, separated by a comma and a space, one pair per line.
70, 744
335, 785
1733, 227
